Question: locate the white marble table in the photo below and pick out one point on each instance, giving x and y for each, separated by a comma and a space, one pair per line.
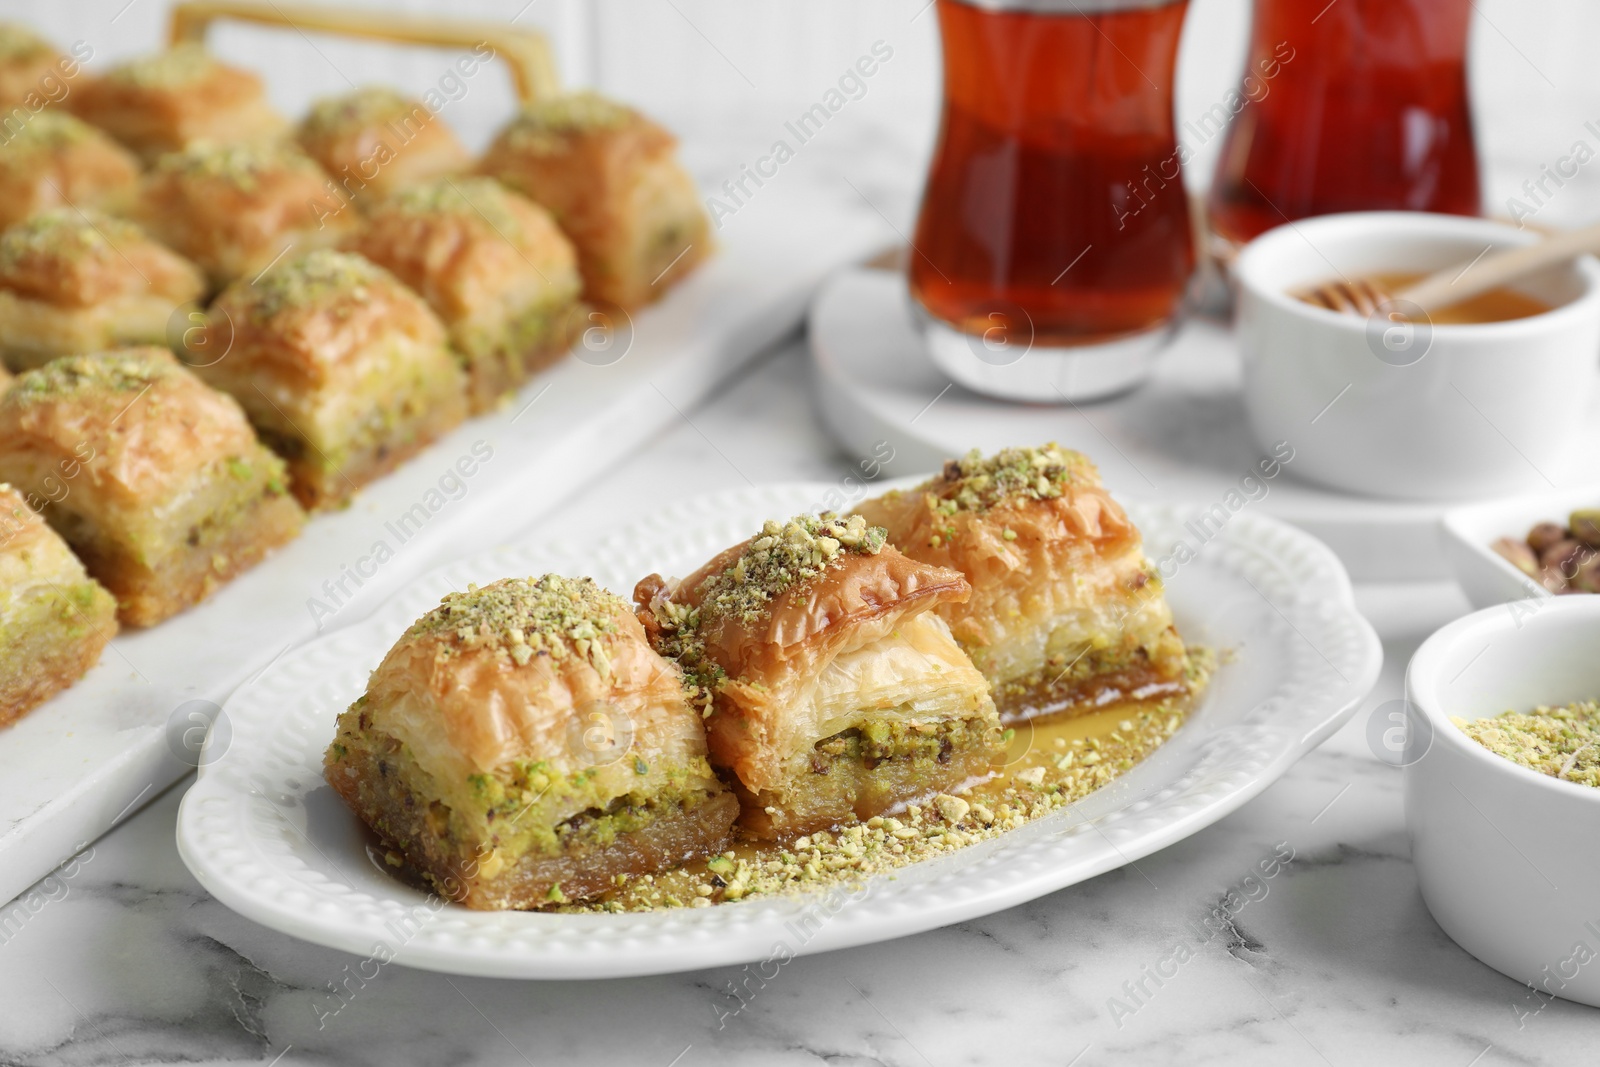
130, 961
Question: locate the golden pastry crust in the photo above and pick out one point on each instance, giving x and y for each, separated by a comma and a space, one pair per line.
169, 101
522, 744
234, 209
1065, 610
155, 480
33, 73
54, 160
342, 369
492, 265
611, 178
374, 141
54, 619
832, 691
74, 281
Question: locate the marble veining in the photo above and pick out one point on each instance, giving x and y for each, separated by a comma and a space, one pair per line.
1194, 954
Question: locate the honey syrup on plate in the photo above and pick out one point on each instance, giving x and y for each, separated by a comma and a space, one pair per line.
1047, 764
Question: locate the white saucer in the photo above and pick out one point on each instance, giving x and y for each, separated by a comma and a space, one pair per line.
1182, 435
265, 835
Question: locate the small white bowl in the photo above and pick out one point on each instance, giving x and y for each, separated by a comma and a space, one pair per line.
1487, 577
1430, 412
1506, 856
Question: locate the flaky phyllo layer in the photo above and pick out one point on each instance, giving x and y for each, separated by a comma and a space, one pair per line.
518, 727
814, 641
1062, 595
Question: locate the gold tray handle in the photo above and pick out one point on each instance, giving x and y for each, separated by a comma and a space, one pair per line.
533, 68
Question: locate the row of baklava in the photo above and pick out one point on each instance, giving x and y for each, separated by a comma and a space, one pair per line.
606, 175
534, 740
346, 340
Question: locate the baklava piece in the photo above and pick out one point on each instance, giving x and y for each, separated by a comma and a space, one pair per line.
76, 281
55, 619
54, 160
33, 73
1066, 613
492, 265
374, 141
523, 745
234, 209
169, 101
612, 180
831, 687
343, 370
155, 479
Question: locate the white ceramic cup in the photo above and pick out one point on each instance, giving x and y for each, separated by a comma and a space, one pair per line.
1434, 412
1506, 857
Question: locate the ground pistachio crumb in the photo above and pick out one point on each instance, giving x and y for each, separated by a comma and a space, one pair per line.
845, 855
528, 617
976, 482
543, 127
179, 66
784, 555
1562, 742
315, 279
242, 166
364, 107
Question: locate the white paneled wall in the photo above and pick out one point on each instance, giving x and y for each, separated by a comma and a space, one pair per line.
728, 72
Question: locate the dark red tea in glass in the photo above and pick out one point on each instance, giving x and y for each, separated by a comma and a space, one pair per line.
1366, 109
1054, 205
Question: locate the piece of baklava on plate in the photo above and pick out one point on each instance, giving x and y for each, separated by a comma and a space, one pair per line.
155, 479
373, 141
492, 265
1066, 612
612, 179
522, 744
55, 160
832, 688
168, 101
75, 281
235, 209
344, 371
55, 619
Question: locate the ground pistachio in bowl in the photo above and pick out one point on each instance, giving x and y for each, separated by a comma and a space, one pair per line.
1560, 742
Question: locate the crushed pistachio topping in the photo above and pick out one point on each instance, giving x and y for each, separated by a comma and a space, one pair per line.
179, 66
478, 198
123, 371
48, 131
976, 483
528, 617
240, 165
1561, 742
783, 555
312, 280
19, 42
367, 106
65, 234
1049, 776
543, 126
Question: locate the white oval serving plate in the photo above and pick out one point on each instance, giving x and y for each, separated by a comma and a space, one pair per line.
265, 835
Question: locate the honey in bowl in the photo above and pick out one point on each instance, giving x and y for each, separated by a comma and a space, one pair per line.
1497, 305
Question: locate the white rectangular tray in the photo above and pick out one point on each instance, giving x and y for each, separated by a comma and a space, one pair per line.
86, 759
